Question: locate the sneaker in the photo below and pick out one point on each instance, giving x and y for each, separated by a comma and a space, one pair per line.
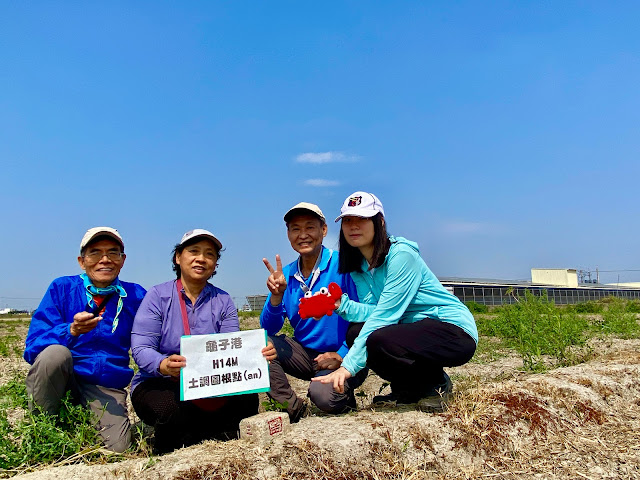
438, 400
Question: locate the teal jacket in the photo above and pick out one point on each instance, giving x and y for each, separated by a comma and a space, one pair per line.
401, 290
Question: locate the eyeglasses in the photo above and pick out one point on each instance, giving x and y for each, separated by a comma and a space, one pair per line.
95, 257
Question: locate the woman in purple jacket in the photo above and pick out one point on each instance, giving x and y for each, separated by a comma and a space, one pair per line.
155, 344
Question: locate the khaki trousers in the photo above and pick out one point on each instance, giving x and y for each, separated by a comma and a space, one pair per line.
51, 376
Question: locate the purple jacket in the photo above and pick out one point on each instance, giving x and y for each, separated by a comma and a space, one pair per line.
157, 327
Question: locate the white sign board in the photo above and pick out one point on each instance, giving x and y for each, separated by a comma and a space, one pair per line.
223, 364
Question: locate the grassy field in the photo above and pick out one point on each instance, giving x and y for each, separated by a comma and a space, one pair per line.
549, 336
543, 335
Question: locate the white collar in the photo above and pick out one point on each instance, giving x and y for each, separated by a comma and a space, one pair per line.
315, 273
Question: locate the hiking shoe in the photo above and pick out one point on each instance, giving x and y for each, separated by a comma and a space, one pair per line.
437, 401
303, 411
352, 405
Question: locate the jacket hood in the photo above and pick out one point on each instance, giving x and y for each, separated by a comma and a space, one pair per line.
404, 241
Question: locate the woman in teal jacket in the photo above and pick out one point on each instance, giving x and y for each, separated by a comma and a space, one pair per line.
407, 326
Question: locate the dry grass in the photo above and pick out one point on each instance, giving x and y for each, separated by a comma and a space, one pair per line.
551, 427
575, 422
307, 461
231, 467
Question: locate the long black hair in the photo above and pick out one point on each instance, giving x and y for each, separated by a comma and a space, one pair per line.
180, 248
350, 257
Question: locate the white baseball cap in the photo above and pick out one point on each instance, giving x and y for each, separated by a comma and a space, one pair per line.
98, 231
361, 204
200, 232
302, 208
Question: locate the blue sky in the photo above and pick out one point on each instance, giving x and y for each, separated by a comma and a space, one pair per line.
499, 135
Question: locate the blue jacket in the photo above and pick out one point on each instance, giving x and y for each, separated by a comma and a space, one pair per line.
401, 290
324, 335
99, 357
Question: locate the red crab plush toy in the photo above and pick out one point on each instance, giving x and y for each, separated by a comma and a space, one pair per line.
323, 302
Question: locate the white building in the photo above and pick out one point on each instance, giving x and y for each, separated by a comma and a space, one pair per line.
559, 277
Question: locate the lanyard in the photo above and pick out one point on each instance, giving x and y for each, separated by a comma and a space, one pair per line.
183, 308
315, 273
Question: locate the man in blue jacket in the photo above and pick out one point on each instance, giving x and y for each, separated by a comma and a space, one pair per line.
80, 335
318, 346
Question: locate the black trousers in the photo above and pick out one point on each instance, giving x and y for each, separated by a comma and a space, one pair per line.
157, 403
411, 356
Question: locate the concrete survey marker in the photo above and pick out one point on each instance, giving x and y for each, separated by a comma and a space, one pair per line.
264, 427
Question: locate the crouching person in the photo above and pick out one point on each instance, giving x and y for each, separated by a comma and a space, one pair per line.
187, 305
80, 335
318, 346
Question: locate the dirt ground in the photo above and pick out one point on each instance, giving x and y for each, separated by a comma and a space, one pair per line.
579, 422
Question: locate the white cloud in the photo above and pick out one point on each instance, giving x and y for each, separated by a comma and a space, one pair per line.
326, 157
321, 182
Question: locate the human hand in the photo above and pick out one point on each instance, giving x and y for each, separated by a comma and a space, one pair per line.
269, 352
276, 282
83, 322
172, 364
328, 361
337, 378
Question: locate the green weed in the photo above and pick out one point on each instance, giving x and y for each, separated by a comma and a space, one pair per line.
475, 307
633, 306
13, 394
29, 440
287, 329
14, 322
271, 405
40, 439
587, 307
536, 327
10, 346
140, 441
616, 320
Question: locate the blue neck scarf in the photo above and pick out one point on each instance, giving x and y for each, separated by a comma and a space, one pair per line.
91, 290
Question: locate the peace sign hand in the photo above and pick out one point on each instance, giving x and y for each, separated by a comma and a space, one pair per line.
276, 283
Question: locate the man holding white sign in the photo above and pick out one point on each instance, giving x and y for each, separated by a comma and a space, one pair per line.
191, 306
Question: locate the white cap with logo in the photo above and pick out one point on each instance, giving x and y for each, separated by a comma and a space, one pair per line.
361, 204
100, 231
201, 232
302, 208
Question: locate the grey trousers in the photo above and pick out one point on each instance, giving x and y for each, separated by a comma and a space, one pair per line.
296, 360
49, 378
